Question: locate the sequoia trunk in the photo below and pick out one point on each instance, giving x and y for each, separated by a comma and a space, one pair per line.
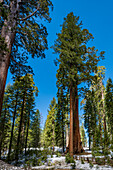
71, 123
77, 145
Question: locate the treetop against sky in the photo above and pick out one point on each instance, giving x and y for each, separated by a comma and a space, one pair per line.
97, 17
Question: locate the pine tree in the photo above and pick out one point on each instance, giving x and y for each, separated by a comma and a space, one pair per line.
36, 130
83, 136
50, 125
109, 108
61, 118
5, 121
28, 88
94, 112
90, 115
76, 63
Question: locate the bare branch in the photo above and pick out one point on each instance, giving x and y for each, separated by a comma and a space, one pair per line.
21, 33
23, 19
18, 63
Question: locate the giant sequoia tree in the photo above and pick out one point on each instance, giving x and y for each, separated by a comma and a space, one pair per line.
21, 34
77, 62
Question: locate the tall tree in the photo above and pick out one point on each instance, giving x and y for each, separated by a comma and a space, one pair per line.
90, 115
76, 63
5, 121
36, 129
21, 34
61, 117
94, 111
83, 136
109, 108
50, 124
28, 88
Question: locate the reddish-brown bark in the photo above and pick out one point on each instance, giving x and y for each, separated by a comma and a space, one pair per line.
75, 145
71, 123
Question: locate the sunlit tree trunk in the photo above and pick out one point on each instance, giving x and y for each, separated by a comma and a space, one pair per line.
104, 116
71, 123
67, 136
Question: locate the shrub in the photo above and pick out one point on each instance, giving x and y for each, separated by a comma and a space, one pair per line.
73, 165
69, 159
90, 164
82, 161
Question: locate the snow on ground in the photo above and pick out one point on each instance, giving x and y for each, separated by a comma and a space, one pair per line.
87, 166
5, 166
59, 163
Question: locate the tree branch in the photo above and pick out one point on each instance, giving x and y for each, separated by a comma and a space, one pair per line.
23, 19
21, 33
18, 63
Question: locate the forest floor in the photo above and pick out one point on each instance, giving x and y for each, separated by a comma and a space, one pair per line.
84, 161
5, 166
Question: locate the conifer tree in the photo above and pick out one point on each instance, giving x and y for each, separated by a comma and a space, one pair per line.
21, 35
5, 121
50, 125
28, 88
61, 118
109, 108
94, 112
83, 136
90, 115
76, 63
36, 129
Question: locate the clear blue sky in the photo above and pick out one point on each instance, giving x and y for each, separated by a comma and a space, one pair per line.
97, 17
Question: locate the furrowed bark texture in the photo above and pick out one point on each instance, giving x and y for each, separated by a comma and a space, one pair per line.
75, 145
76, 132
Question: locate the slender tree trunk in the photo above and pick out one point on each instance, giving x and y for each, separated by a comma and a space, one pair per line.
14, 115
67, 136
2, 135
71, 123
89, 133
53, 138
76, 131
62, 132
8, 33
20, 128
104, 116
89, 142
27, 132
